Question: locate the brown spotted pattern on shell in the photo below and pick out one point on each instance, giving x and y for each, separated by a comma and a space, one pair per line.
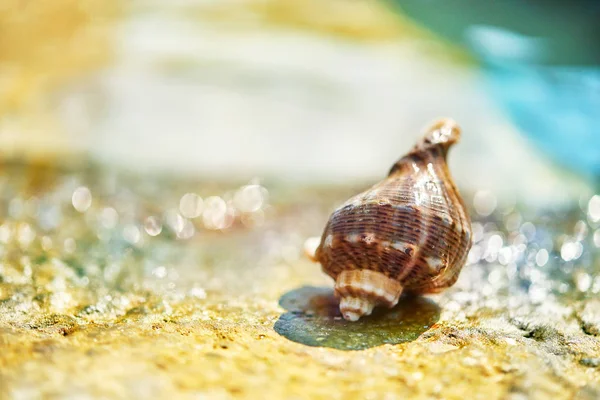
410, 232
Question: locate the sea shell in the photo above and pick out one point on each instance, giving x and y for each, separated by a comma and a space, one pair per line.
410, 232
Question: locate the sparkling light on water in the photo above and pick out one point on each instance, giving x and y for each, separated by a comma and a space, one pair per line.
70, 245
477, 231
249, 198
15, 207
254, 219
152, 226
583, 281
5, 233
187, 230
594, 208
198, 293
580, 230
191, 205
109, 217
46, 243
25, 234
484, 202
541, 257
174, 220
571, 250
131, 234
82, 199
215, 210
528, 229
159, 272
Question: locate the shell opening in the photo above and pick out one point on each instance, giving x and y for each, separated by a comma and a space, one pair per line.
362, 290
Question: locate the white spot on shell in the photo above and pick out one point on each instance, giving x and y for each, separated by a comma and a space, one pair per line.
404, 208
329, 241
434, 264
468, 235
442, 134
353, 238
435, 199
431, 169
369, 238
400, 246
420, 198
368, 287
355, 201
372, 194
447, 219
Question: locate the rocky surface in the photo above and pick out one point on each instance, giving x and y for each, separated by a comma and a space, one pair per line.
98, 300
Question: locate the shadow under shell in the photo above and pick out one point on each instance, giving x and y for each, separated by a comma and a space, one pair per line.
314, 319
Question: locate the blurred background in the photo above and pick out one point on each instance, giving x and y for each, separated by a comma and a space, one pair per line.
330, 91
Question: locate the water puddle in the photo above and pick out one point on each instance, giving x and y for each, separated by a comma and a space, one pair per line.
313, 319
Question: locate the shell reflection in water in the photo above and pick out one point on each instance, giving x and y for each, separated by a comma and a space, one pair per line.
410, 232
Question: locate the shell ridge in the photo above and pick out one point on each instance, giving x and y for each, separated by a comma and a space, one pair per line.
463, 224
443, 174
411, 264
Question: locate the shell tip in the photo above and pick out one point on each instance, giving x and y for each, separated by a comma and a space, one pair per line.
444, 131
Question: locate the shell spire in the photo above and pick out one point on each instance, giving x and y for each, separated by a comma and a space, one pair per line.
437, 139
445, 132
410, 232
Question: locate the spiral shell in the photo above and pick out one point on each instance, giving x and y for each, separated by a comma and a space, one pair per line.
410, 232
